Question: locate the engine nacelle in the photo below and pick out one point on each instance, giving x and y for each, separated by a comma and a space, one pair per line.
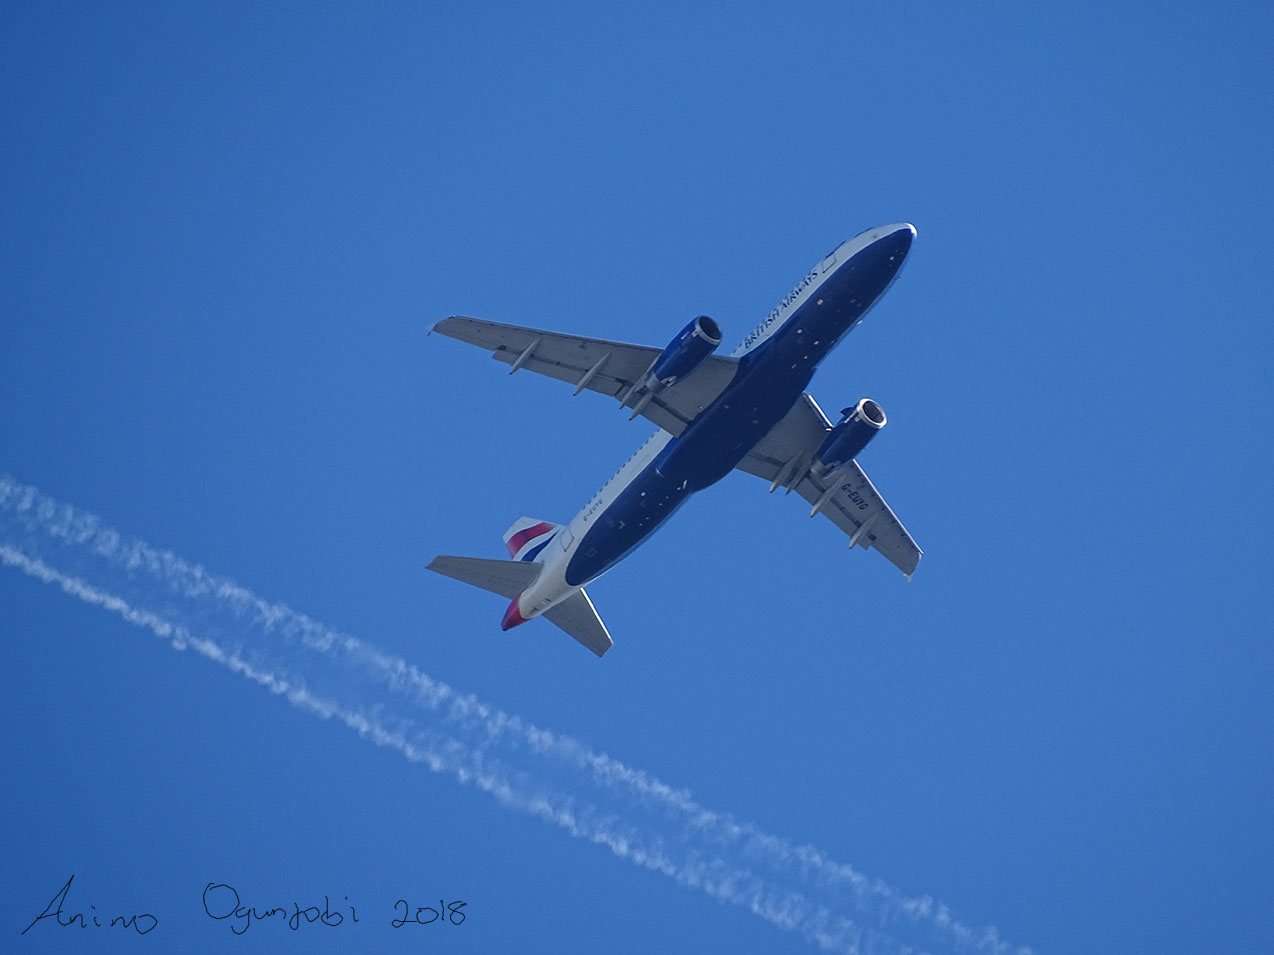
851, 434
686, 352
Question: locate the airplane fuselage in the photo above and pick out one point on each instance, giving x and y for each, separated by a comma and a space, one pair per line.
776, 361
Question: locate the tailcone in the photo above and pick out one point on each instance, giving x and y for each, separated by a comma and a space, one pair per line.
513, 616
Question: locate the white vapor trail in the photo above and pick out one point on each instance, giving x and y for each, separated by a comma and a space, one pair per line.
550, 776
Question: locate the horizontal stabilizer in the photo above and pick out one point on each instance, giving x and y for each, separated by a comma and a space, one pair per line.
508, 578
577, 616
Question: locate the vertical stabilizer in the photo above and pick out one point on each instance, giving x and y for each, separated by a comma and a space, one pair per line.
527, 537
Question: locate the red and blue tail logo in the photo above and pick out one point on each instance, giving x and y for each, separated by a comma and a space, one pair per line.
527, 537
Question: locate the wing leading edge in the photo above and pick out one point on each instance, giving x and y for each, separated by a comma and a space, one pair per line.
609, 368
847, 497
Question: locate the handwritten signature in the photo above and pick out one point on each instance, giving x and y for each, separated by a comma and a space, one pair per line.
223, 903
141, 922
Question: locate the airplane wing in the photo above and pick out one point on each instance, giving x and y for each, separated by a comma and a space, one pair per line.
854, 505
612, 368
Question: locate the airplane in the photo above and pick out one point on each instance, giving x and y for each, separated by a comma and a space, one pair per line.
749, 411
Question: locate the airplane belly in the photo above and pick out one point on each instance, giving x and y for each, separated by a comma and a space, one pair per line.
717, 440
633, 516
767, 384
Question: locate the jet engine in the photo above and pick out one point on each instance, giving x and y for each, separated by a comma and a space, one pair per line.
857, 426
686, 352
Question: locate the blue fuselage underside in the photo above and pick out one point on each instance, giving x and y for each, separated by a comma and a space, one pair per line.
769, 380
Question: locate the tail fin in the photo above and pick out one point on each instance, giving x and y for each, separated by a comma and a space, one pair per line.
527, 537
509, 578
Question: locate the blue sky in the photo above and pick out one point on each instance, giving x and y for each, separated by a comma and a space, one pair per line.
225, 233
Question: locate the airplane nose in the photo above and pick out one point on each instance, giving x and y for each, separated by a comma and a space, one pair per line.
874, 268
897, 242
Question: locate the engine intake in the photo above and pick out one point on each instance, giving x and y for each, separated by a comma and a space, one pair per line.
686, 352
843, 443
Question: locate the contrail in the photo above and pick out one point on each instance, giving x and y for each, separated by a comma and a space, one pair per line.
549, 775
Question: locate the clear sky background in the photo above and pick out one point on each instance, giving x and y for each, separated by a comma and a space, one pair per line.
224, 233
